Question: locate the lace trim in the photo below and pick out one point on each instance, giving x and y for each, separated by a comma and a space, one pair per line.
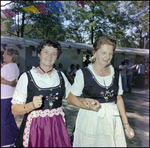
21, 92
16, 101
36, 114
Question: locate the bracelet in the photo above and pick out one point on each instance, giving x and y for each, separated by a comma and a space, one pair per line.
25, 109
33, 105
125, 123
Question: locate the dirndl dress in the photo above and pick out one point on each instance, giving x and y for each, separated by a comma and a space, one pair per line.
46, 126
102, 128
99, 129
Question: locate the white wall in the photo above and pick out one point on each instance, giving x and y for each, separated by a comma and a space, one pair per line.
21, 59
68, 57
118, 58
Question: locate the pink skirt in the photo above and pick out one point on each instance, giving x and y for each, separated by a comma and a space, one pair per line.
46, 128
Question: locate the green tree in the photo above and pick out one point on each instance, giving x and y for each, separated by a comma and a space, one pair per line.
36, 25
126, 21
138, 18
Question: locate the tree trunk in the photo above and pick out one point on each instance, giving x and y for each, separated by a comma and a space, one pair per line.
22, 26
92, 29
140, 44
18, 28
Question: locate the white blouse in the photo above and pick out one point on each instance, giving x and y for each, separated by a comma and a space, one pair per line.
105, 81
52, 80
9, 72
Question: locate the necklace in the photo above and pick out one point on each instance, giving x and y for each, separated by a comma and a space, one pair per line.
45, 73
105, 84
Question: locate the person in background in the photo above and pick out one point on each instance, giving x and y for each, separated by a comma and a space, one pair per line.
9, 77
38, 96
60, 67
29, 68
70, 73
87, 61
129, 74
141, 73
77, 68
98, 122
54, 66
123, 69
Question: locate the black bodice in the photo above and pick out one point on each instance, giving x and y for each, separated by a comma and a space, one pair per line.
94, 90
52, 96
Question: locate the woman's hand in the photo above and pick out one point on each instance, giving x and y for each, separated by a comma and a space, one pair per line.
94, 105
13, 83
91, 104
129, 131
37, 101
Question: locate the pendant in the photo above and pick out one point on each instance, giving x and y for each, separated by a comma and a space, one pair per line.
45, 74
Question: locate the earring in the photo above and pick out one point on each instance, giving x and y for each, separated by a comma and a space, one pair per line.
93, 59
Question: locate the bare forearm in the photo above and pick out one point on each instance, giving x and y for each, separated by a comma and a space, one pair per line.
21, 109
3, 81
6, 82
121, 107
128, 130
76, 101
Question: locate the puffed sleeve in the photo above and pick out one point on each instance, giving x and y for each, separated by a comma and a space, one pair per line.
78, 84
67, 85
20, 93
120, 91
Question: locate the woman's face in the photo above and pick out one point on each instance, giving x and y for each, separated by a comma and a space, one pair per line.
104, 55
7, 58
48, 56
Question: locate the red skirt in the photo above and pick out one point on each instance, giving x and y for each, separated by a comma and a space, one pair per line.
46, 128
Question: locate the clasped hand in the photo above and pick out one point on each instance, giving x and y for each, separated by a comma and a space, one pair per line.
37, 101
91, 104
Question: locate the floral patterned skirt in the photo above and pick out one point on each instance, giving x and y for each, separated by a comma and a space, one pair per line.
99, 129
46, 128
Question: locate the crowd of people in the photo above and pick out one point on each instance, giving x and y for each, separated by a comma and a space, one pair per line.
126, 70
96, 88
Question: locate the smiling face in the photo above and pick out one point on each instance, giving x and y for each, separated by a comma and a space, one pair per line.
48, 56
104, 55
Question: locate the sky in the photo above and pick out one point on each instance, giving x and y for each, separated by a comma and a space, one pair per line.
3, 3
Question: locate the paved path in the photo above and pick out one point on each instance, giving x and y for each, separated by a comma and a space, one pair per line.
137, 108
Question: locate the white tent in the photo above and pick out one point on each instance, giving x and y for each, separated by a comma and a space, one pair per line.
69, 51
69, 55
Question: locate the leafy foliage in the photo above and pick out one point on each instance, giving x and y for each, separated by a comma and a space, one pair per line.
126, 21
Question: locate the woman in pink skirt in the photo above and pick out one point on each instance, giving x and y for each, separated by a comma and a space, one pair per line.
38, 95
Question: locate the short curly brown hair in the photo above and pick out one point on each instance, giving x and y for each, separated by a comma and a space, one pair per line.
49, 42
